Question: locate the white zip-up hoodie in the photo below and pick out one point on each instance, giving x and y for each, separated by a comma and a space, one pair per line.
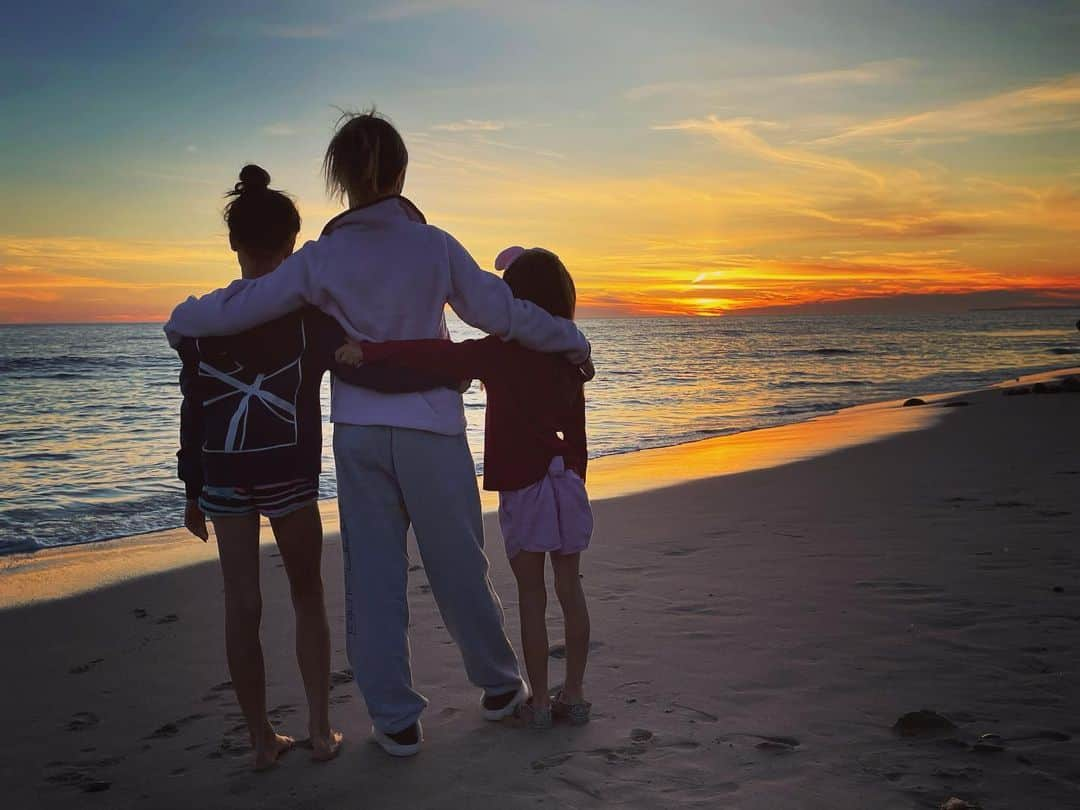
384, 274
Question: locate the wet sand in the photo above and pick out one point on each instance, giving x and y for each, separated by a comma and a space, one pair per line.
757, 635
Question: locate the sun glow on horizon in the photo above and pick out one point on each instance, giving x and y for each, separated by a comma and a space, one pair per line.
803, 168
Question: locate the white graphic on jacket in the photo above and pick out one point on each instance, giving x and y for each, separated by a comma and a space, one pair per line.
265, 401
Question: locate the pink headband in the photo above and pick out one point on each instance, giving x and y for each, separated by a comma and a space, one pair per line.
508, 257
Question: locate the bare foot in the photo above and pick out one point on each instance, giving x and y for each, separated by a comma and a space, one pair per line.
324, 749
267, 756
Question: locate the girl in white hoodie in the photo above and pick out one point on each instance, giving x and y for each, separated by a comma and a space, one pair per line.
401, 459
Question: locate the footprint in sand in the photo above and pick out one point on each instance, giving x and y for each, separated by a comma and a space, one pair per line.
81, 774
218, 692
74, 777
139, 613
682, 552
558, 651
280, 712
712, 718
81, 721
777, 745
341, 677
680, 745
580, 788
552, 761
172, 617
174, 728
84, 668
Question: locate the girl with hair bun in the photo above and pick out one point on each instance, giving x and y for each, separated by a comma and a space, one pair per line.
251, 446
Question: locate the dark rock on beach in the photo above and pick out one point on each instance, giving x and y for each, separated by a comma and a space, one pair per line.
959, 804
1069, 385
81, 721
923, 721
914, 401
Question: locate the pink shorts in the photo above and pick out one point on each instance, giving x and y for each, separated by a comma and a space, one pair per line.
551, 515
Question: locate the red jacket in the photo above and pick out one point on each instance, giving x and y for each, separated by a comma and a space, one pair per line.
535, 402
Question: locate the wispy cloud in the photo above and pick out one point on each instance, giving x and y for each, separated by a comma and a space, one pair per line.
1050, 105
298, 31
867, 73
879, 72
80, 279
29, 295
472, 125
546, 153
404, 9
278, 130
739, 133
104, 258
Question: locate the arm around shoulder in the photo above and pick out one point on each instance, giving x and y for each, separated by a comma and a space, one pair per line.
249, 302
483, 300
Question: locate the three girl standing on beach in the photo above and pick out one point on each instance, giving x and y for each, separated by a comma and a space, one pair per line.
382, 273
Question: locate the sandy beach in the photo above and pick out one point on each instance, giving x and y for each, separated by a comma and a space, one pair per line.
762, 615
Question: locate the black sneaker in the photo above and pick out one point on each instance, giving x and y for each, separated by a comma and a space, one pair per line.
404, 743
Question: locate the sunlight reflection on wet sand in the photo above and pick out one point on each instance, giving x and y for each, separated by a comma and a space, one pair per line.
59, 572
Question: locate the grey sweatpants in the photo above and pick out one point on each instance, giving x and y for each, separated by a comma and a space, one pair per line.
388, 478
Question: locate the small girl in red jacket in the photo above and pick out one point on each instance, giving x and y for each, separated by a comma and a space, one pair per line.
535, 456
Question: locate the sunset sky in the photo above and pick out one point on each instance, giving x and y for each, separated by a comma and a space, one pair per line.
682, 157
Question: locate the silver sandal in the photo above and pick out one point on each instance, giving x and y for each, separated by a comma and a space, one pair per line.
534, 718
577, 713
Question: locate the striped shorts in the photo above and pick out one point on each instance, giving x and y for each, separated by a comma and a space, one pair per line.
271, 500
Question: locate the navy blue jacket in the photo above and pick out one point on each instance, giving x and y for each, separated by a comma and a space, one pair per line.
251, 413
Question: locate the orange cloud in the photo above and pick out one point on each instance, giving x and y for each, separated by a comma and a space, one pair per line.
82, 279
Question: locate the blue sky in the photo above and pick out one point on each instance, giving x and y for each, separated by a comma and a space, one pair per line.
123, 123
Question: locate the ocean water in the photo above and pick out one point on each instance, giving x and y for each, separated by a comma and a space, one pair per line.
89, 413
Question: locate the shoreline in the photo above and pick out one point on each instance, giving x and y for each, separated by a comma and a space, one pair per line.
59, 572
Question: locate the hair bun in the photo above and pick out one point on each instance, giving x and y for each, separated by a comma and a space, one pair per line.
253, 178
